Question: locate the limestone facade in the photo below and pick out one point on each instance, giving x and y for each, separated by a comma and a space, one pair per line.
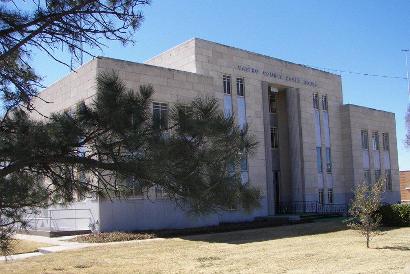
317, 155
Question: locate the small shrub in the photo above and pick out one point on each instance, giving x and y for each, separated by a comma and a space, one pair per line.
395, 215
106, 237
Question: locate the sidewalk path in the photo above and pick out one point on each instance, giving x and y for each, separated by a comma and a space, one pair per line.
60, 244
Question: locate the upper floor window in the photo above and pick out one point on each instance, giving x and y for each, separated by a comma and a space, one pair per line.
315, 100
227, 84
324, 103
240, 86
375, 141
386, 144
274, 138
272, 102
160, 115
365, 139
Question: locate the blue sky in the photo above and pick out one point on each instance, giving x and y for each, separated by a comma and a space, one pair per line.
363, 35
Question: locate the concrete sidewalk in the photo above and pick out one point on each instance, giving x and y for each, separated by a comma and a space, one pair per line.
60, 244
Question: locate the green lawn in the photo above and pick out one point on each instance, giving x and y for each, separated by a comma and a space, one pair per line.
322, 247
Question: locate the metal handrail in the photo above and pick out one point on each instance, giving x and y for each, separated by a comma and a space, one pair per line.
310, 207
52, 223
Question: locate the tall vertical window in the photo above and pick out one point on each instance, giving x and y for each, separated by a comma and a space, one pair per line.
321, 196
160, 115
319, 159
377, 174
244, 170
328, 161
330, 195
365, 139
227, 84
272, 102
324, 103
388, 180
274, 138
240, 86
315, 100
134, 188
386, 143
366, 176
244, 163
375, 140
159, 192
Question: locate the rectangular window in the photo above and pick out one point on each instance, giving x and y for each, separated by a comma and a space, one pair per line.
386, 143
389, 186
377, 175
159, 192
366, 176
240, 86
375, 140
134, 188
319, 159
324, 103
227, 84
274, 138
272, 102
365, 139
328, 161
244, 164
315, 100
330, 195
321, 196
160, 115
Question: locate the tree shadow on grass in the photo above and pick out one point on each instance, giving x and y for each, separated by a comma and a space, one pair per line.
269, 233
396, 248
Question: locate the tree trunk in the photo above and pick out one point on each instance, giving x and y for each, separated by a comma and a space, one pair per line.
367, 239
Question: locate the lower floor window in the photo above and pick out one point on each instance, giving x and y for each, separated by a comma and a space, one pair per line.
389, 186
366, 176
330, 195
134, 188
377, 174
320, 195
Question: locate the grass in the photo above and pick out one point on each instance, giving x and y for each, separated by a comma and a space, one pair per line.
24, 246
322, 247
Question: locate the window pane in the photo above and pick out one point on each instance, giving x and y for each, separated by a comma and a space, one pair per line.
274, 138
244, 164
328, 161
240, 87
324, 102
330, 196
377, 174
319, 159
321, 196
365, 142
227, 84
375, 141
316, 101
272, 103
388, 180
386, 143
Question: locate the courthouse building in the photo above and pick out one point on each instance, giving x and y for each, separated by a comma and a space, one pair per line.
312, 148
